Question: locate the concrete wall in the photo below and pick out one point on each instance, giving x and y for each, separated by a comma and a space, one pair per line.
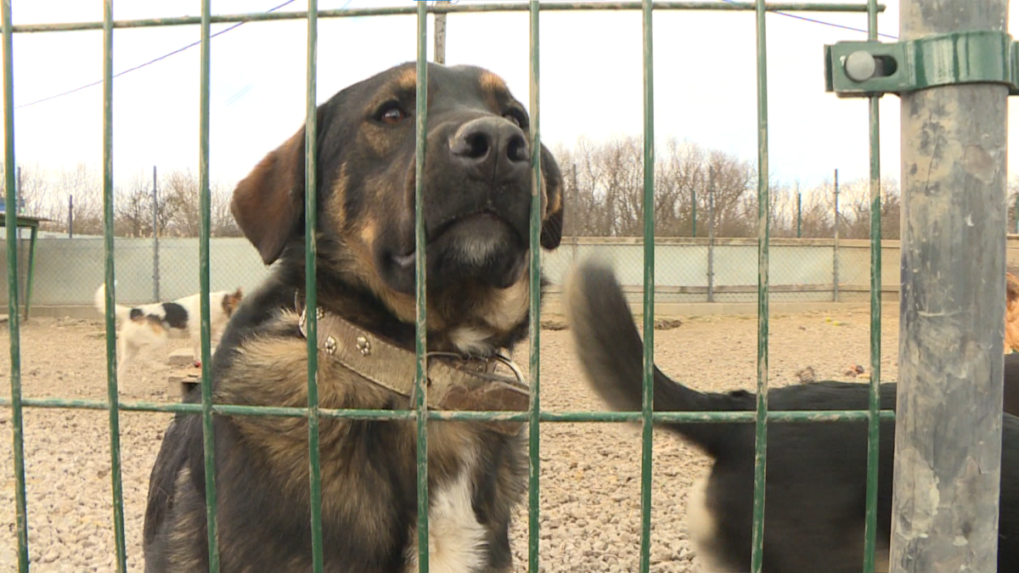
68, 271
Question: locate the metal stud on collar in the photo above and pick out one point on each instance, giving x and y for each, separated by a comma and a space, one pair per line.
364, 346
330, 345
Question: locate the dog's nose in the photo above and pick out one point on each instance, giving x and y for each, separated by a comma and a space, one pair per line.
491, 147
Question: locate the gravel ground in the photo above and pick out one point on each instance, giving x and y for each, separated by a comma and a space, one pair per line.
590, 473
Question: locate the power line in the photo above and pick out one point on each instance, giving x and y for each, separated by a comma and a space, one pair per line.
275, 8
148, 63
823, 22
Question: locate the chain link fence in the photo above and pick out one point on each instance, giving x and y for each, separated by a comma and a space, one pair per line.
688, 270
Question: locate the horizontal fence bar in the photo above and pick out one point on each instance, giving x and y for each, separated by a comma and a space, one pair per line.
468, 416
712, 6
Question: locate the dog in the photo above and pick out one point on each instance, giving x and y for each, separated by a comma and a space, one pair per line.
1011, 313
143, 329
476, 211
816, 478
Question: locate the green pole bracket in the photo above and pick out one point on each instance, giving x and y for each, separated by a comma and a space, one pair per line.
860, 69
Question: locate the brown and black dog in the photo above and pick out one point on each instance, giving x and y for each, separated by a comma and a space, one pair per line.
817, 473
477, 204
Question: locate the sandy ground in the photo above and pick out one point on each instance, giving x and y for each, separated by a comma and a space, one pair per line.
590, 473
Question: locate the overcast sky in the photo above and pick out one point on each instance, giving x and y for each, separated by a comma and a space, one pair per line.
591, 73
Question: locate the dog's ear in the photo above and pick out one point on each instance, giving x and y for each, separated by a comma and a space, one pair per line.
268, 204
552, 227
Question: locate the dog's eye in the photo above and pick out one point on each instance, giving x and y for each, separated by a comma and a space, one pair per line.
517, 117
391, 114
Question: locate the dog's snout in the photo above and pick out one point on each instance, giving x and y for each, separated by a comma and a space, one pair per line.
490, 147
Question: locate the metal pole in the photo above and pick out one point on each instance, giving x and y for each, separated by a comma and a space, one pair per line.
576, 229
70, 216
948, 439
711, 234
693, 204
799, 211
155, 237
440, 36
835, 251
1016, 228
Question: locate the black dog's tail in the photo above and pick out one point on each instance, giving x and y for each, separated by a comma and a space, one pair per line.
611, 354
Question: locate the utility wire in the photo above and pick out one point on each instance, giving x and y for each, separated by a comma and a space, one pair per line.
822, 22
237, 25
148, 63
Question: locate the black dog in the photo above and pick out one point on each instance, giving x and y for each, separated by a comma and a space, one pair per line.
816, 479
478, 196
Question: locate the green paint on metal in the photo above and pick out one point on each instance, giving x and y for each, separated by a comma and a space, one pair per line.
647, 398
854, 69
763, 220
534, 325
209, 440
13, 322
311, 287
111, 317
874, 422
710, 5
420, 242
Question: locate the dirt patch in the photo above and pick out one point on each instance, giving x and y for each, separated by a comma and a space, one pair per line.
590, 473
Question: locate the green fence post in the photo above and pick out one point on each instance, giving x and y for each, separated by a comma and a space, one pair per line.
311, 286
209, 441
647, 400
534, 326
420, 244
113, 395
947, 481
874, 404
763, 222
13, 319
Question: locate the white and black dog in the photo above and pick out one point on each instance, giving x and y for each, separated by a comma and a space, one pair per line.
816, 483
147, 327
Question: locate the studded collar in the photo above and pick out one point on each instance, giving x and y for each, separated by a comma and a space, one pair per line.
453, 382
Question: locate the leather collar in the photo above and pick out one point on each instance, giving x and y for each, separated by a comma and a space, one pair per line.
453, 382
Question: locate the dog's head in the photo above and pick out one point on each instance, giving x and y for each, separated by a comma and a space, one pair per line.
477, 190
231, 301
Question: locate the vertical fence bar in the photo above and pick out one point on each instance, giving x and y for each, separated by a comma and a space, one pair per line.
113, 395
155, 236
947, 463
70, 216
420, 276
647, 401
209, 441
13, 319
763, 221
1016, 228
799, 212
711, 234
874, 405
693, 211
311, 285
534, 326
835, 250
440, 34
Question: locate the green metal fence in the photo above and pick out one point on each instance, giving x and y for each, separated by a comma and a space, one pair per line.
534, 416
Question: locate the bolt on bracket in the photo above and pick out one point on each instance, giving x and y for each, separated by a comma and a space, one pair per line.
860, 69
